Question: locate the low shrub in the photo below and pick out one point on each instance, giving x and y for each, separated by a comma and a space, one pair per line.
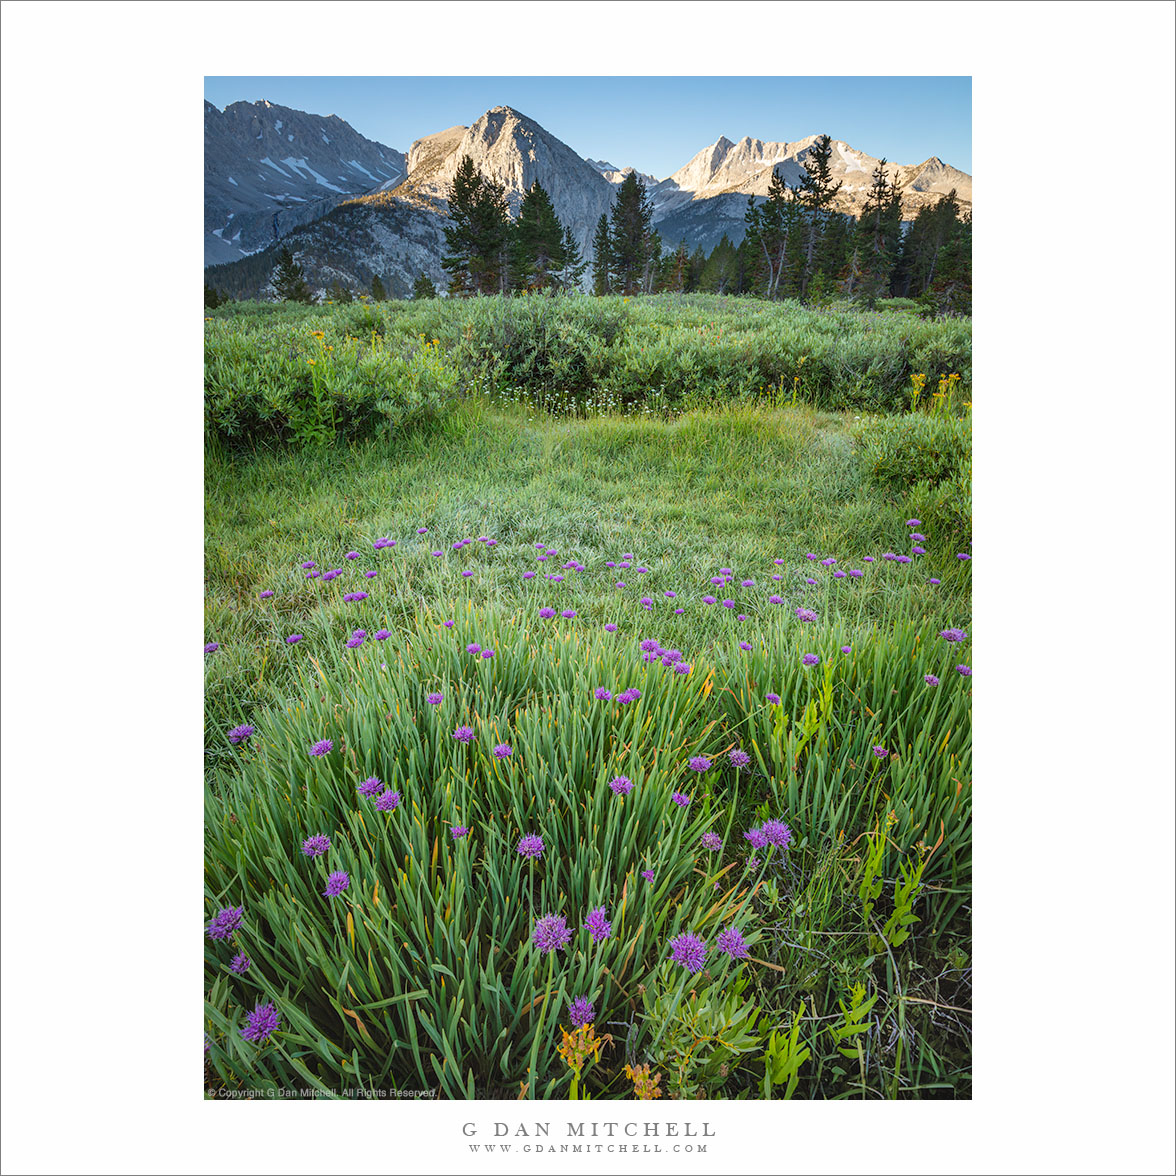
900, 452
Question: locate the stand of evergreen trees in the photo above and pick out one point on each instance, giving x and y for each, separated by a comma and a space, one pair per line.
795, 246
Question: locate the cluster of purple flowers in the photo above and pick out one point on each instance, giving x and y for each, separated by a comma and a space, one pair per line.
260, 1023
581, 1012
240, 734
551, 933
771, 832
317, 845
336, 884
225, 922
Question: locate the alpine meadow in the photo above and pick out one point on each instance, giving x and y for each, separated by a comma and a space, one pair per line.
588, 663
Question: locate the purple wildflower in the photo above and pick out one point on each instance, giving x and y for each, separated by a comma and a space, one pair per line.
317, 845
856, 572
212, 647
552, 933
962, 555
531, 846
880, 751
682, 667
931, 679
806, 614
261, 1023
387, 801
354, 642
422, 530
438, 554
728, 604
336, 884
381, 634
435, 699
689, 951
240, 734
597, 924
448, 624
352, 597
680, 799
568, 613
757, 837
809, 580
739, 758
352, 555
934, 581
777, 833
459, 831
309, 564
840, 575
913, 523
730, 942
671, 595
503, 750
528, 575
581, 1012
774, 599
700, 764
810, 659
603, 694
827, 563
471, 648
322, 747
964, 671
621, 785
464, 734
265, 595
370, 786
847, 649
240, 963
370, 575
712, 841
953, 635
809, 555
745, 646
467, 573
225, 922
487, 654
774, 698
647, 875
709, 600
610, 628
547, 613
917, 538
867, 559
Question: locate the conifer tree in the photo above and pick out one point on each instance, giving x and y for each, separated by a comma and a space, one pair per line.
773, 229
477, 240
537, 242
876, 240
423, 288
815, 193
721, 270
632, 259
379, 294
288, 281
571, 274
602, 258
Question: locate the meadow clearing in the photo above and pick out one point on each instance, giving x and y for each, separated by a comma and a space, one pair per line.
588, 696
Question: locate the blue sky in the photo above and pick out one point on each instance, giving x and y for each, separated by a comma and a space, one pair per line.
653, 124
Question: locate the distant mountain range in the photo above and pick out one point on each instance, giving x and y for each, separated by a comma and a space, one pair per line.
351, 209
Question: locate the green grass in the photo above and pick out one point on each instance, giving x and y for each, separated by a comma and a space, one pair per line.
423, 973
738, 488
